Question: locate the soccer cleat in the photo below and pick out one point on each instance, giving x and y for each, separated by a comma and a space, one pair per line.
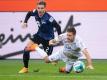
24, 70
62, 70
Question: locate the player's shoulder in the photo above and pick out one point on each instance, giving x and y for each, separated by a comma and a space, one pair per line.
78, 38
49, 17
47, 14
34, 11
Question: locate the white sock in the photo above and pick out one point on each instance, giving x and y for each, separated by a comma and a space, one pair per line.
42, 53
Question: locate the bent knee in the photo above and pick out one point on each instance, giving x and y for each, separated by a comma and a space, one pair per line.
31, 47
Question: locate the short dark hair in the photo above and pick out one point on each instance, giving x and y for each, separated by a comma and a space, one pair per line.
42, 3
72, 29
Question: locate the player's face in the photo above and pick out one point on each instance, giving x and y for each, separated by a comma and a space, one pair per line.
41, 9
70, 36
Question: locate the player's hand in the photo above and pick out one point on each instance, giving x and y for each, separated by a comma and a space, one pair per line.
24, 25
90, 67
52, 42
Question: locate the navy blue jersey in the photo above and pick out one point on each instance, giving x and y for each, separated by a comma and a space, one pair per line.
46, 24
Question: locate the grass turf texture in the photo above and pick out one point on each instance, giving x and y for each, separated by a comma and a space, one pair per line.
9, 71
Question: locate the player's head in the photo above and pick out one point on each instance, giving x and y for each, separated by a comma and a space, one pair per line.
41, 5
71, 32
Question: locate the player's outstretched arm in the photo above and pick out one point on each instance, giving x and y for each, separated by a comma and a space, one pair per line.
57, 26
88, 58
53, 42
24, 24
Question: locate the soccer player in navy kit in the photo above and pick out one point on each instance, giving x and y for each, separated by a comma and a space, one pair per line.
46, 24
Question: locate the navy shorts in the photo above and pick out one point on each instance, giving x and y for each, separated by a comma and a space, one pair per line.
38, 40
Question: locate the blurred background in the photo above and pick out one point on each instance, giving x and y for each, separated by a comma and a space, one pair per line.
88, 16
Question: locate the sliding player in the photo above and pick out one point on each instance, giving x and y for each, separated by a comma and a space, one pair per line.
70, 53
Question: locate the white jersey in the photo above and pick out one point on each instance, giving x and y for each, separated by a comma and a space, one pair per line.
71, 49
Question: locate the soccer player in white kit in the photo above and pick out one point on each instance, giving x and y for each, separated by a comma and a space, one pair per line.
71, 51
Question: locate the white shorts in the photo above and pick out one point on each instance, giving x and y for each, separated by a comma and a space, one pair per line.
60, 56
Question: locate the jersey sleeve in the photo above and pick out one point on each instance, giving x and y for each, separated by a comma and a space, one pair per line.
56, 25
29, 14
61, 37
81, 45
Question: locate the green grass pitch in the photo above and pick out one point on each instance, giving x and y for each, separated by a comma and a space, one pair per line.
9, 71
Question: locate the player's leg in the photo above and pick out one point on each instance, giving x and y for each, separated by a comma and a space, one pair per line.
53, 57
49, 52
38, 40
34, 42
47, 48
32, 47
67, 68
26, 55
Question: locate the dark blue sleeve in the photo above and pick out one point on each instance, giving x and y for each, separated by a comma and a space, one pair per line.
29, 14
57, 26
